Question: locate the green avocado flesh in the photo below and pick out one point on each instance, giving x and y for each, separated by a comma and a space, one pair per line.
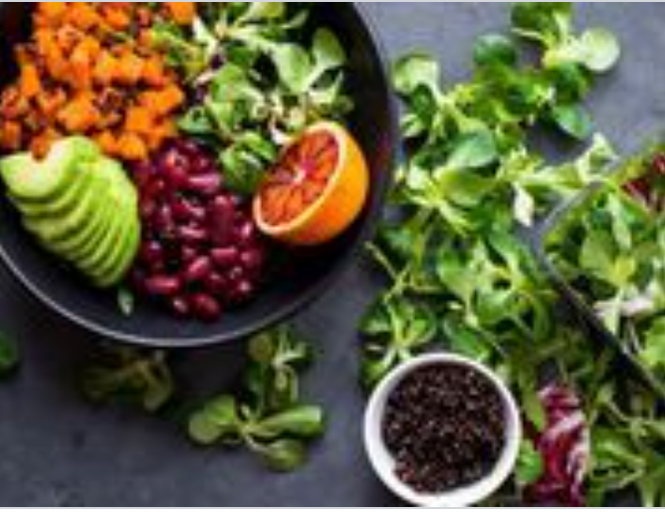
80, 206
41, 181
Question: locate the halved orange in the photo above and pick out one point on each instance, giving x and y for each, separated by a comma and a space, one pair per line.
317, 189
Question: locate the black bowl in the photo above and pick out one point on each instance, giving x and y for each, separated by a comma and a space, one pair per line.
299, 279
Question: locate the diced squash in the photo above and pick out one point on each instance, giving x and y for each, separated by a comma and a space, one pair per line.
10, 135
182, 13
30, 82
131, 147
78, 77
129, 69
107, 142
139, 120
50, 102
80, 115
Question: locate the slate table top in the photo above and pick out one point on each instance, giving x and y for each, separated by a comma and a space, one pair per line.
57, 450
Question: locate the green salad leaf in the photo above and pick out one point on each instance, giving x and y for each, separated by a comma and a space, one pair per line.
459, 272
268, 418
611, 249
530, 465
258, 78
127, 375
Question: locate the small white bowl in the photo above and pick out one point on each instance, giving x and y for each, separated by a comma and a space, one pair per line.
384, 463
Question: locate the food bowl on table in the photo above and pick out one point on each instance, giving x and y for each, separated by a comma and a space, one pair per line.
294, 279
428, 423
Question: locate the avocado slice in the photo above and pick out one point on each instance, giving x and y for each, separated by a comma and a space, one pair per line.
58, 206
53, 231
119, 263
30, 180
83, 242
111, 251
113, 181
113, 255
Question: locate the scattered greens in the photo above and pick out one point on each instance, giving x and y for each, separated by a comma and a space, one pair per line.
259, 78
129, 375
611, 250
457, 265
126, 301
9, 356
627, 429
268, 417
550, 25
453, 250
530, 465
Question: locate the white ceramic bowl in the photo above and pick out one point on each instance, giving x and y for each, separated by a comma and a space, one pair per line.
384, 463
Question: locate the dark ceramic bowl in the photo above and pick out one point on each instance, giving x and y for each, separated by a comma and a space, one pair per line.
299, 278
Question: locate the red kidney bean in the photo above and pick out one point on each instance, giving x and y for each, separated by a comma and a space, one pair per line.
244, 291
220, 220
215, 284
200, 249
246, 233
236, 274
186, 211
206, 307
181, 306
177, 176
155, 189
152, 252
163, 286
204, 184
198, 269
164, 221
252, 259
225, 258
192, 235
188, 254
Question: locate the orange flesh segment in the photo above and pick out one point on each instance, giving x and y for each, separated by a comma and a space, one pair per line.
301, 178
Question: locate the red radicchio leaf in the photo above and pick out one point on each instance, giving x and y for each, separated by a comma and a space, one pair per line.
565, 448
646, 188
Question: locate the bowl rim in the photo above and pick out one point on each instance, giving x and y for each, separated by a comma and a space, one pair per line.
280, 313
382, 461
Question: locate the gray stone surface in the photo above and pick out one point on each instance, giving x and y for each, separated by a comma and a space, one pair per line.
56, 450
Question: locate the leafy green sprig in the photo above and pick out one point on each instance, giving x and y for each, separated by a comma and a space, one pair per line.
268, 417
129, 375
454, 255
611, 250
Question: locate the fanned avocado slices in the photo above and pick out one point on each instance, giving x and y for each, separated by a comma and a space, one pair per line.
41, 181
81, 207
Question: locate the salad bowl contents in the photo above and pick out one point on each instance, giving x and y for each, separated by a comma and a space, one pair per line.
216, 163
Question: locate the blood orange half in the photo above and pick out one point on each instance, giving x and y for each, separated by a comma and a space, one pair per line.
317, 190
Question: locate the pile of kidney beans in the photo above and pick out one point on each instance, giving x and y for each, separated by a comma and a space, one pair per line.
201, 252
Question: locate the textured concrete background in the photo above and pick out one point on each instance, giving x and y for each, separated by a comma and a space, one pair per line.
56, 450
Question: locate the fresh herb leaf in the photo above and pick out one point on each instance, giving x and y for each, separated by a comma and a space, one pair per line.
530, 465
494, 50
573, 120
284, 455
268, 418
415, 71
217, 420
129, 375
473, 150
126, 301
